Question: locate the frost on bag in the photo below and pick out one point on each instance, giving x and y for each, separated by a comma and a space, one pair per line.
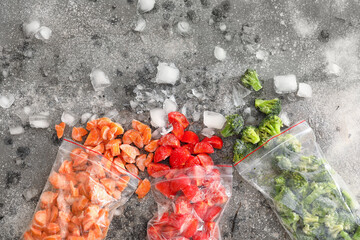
190, 203
79, 198
309, 198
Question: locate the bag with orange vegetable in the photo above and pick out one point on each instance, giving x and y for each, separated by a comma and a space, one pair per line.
190, 202
82, 192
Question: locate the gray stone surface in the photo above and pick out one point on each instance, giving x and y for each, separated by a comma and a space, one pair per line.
299, 37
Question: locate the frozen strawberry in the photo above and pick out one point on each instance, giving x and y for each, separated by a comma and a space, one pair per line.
182, 205
201, 209
190, 147
178, 117
169, 140
190, 137
192, 193
201, 235
178, 157
169, 232
178, 130
197, 173
212, 213
191, 228
212, 229
205, 160
154, 233
178, 220
157, 169
180, 181
162, 153
192, 161
203, 147
215, 141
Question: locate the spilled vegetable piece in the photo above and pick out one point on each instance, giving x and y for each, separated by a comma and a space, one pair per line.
82, 191
191, 202
310, 199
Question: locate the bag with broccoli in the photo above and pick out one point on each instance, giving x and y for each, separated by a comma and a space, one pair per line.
309, 198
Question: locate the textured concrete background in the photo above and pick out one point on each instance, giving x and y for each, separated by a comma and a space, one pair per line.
299, 37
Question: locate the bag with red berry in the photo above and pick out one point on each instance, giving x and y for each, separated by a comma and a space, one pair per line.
190, 202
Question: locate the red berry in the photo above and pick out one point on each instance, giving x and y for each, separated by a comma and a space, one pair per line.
201, 235
205, 160
212, 213
215, 141
212, 229
169, 140
178, 157
178, 117
157, 169
189, 147
192, 193
197, 174
182, 205
178, 130
179, 182
191, 229
190, 137
164, 188
192, 161
201, 209
203, 147
162, 153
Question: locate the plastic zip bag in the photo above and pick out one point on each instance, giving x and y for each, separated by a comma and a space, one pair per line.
81, 194
190, 203
309, 198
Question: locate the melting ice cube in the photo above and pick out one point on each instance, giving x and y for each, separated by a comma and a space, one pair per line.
16, 130
285, 84
169, 106
158, 117
6, 100
214, 120
69, 118
44, 33
167, 73
40, 120
99, 80
305, 90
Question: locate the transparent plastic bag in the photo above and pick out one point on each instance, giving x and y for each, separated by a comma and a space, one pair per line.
309, 198
190, 203
81, 194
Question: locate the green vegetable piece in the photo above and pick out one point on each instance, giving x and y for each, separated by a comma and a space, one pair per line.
309, 218
348, 199
270, 125
288, 198
249, 135
317, 191
251, 79
335, 230
272, 106
345, 235
356, 236
234, 125
282, 163
291, 142
242, 149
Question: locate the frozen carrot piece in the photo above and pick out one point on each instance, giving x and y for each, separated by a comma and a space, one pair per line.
79, 205
99, 149
53, 237
144, 129
96, 170
146, 135
79, 157
118, 127
60, 129
47, 199
87, 223
74, 229
27, 236
106, 162
143, 188
137, 125
152, 146
133, 136
66, 167
92, 211
127, 158
130, 150
104, 132
149, 159
103, 122
35, 231
73, 190
94, 138
98, 232
117, 194
78, 133
76, 238
98, 195
109, 185
82, 177
91, 124
77, 220
132, 169
118, 167
58, 181
114, 147
52, 228
108, 155
122, 183
40, 218
140, 162
54, 214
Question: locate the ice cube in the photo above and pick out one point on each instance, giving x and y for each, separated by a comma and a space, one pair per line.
140, 25
167, 73
40, 120
30, 28
84, 118
334, 69
146, 5
214, 120
112, 114
69, 118
238, 93
165, 130
169, 106
156, 134
305, 90
285, 84
99, 80
158, 117
207, 132
44, 33
285, 119
6, 100
219, 53
196, 116
183, 110
16, 130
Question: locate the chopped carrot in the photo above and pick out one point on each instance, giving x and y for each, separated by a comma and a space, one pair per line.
152, 146
126, 158
60, 130
103, 122
106, 162
74, 191
40, 218
92, 211
98, 232
109, 185
145, 130
104, 132
47, 199
149, 159
52, 228
27, 236
54, 214
146, 135
98, 195
80, 204
118, 167
66, 167
122, 183
79, 157
133, 136
82, 177
78, 133
58, 181
87, 223
74, 228
53, 237
117, 194
140, 162
94, 138
91, 124
137, 125
143, 188
99, 149
76, 238
35, 231
132, 169
96, 170
130, 150
108, 155
77, 219
114, 147
118, 127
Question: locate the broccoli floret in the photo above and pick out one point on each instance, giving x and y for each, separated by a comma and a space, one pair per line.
298, 184
345, 235
291, 142
282, 163
356, 236
290, 220
311, 229
347, 220
288, 198
309, 218
272, 106
251, 79
249, 135
242, 149
280, 182
335, 230
348, 199
234, 125
270, 125
322, 206
309, 163
331, 219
